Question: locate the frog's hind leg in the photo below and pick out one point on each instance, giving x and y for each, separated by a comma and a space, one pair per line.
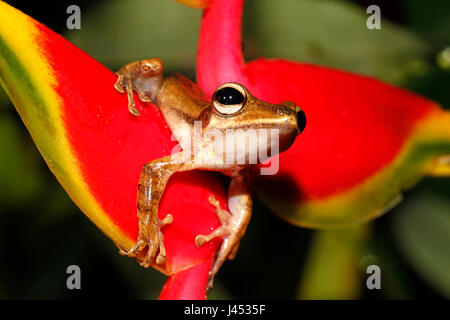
233, 225
144, 76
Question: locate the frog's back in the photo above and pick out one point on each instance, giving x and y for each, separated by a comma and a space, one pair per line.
181, 102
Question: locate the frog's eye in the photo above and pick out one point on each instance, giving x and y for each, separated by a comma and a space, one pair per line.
229, 99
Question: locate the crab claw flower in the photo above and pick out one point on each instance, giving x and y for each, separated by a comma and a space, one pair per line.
96, 149
365, 141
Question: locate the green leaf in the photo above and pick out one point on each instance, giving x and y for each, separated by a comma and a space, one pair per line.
20, 176
117, 32
3, 98
422, 230
333, 33
432, 20
332, 270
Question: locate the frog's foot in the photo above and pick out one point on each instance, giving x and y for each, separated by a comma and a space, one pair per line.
230, 231
123, 84
144, 76
154, 240
223, 231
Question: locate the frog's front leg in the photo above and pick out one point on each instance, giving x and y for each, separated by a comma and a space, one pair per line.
233, 225
153, 181
144, 76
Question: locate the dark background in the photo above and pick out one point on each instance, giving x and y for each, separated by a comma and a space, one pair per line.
42, 231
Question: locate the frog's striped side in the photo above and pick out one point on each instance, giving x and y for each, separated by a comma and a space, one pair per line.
93, 145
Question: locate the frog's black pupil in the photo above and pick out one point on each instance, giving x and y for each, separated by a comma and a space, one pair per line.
229, 96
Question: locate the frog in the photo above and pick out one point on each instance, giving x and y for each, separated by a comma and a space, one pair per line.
186, 109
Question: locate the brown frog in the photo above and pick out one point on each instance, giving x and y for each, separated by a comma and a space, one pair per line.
203, 129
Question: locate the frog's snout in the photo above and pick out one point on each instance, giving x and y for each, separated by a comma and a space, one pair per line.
301, 119
300, 115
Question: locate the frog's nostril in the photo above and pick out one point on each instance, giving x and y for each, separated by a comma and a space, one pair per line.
301, 120
289, 104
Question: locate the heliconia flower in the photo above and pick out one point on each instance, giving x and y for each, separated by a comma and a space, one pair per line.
365, 141
96, 148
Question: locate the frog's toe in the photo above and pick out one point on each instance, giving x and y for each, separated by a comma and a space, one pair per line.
119, 85
124, 84
150, 256
133, 110
134, 252
220, 232
153, 241
143, 95
229, 231
223, 231
156, 252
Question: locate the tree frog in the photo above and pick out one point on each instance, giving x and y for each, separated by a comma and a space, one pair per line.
204, 126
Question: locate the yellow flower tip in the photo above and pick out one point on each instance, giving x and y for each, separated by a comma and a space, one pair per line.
201, 4
440, 167
439, 129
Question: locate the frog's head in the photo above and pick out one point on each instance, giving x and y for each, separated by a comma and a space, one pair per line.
233, 107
